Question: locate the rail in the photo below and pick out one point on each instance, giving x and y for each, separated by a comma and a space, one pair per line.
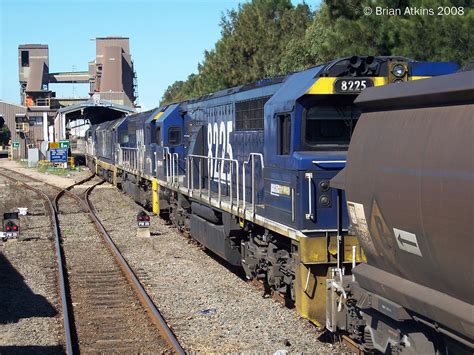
59, 259
220, 168
143, 296
175, 167
166, 154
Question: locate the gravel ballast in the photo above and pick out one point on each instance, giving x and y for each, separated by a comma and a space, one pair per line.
107, 314
29, 301
210, 308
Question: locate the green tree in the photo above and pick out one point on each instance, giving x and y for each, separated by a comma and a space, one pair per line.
4, 135
434, 37
341, 29
264, 38
253, 39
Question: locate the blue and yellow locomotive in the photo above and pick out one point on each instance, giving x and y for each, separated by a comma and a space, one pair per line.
245, 171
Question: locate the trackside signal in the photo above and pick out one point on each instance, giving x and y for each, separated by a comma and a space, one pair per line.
11, 225
143, 220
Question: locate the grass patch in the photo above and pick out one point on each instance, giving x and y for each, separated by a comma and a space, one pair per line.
48, 169
66, 232
52, 170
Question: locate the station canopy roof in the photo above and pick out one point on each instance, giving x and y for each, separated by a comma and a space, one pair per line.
96, 111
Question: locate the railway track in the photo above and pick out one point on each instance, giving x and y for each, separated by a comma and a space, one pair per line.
104, 306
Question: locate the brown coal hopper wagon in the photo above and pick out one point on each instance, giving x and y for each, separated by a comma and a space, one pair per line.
409, 182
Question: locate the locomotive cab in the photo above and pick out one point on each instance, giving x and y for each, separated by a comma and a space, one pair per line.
166, 127
310, 149
313, 117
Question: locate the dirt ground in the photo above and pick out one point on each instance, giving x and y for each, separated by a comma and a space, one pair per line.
61, 181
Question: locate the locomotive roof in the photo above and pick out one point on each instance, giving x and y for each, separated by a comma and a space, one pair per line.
160, 113
108, 124
336, 67
140, 116
296, 85
238, 89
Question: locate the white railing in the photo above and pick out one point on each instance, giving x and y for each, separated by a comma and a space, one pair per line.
310, 214
131, 159
251, 160
89, 147
220, 169
223, 179
171, 166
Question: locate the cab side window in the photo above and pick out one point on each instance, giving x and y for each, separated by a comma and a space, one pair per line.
158, 135
124, 138
174, 136
284, 134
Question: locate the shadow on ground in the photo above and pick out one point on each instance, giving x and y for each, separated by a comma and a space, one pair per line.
17, 300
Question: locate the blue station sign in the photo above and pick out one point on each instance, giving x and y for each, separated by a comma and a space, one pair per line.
58, 155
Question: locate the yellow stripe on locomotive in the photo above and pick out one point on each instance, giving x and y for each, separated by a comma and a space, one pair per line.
396, 70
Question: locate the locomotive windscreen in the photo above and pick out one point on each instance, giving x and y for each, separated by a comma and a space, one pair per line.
329, 127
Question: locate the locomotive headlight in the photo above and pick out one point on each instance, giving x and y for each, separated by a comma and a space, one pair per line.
324, 185
398, 70
398, 81
324, 200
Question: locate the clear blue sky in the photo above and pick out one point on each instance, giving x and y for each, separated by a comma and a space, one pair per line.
167, 38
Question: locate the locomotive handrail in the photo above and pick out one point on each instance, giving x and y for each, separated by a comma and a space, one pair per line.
328, 161
165, 149
172, 169
251, 159
166, 152
89, 147
168, 163
319, 162
131, 158
190, 176
310, 214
